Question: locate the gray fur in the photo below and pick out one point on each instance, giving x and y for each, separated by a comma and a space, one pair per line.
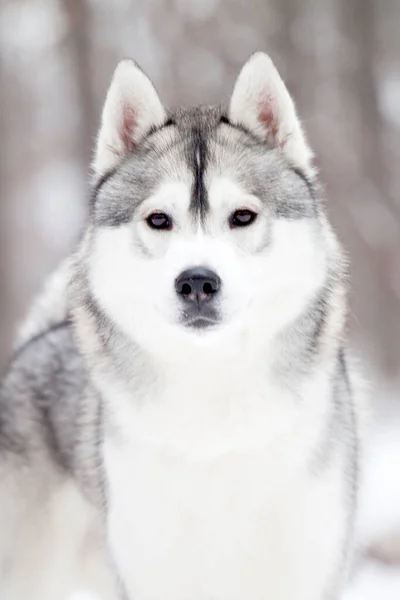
202, 134
46, 381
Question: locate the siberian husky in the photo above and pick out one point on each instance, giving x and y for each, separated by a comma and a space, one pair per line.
181, 420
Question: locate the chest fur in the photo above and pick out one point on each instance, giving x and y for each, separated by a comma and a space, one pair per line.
204, 496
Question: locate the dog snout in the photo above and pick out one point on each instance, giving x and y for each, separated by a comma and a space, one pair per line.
197, 285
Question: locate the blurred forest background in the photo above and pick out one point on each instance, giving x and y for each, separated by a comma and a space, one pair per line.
341, 62
339, 58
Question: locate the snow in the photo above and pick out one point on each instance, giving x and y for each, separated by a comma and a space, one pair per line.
380, 502
375, 581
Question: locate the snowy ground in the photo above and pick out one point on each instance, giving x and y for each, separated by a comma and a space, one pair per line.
375, 582
380, 505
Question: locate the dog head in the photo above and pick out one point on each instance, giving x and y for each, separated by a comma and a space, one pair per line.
205, 222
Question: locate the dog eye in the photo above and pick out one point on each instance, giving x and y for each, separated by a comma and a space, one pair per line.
159, 220
242, 218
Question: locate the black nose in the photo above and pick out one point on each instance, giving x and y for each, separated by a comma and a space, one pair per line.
197, 285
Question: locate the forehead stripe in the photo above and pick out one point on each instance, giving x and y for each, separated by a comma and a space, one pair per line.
198, 160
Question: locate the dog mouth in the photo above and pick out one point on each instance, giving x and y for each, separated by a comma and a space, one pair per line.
200, 323
207, 318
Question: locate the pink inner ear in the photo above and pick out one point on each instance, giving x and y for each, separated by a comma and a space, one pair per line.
268, 119
128, 126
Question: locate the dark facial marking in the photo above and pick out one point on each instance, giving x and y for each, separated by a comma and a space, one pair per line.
134, 179
225, 119
198, 160
286, 190
96, 189
168, 123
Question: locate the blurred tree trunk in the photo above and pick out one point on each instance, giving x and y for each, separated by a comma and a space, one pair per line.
79, 45
379, 305
359, 24
4, 287
296, 60
289, 12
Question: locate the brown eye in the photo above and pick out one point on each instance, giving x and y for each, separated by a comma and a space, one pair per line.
159, 220
242, 218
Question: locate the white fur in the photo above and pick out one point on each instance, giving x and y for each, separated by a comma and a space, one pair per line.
262, 103
374, 581
210, 493
131, 108
379, 514
265, 290
208, 460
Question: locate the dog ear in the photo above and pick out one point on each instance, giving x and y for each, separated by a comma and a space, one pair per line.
262, 104
131, 109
